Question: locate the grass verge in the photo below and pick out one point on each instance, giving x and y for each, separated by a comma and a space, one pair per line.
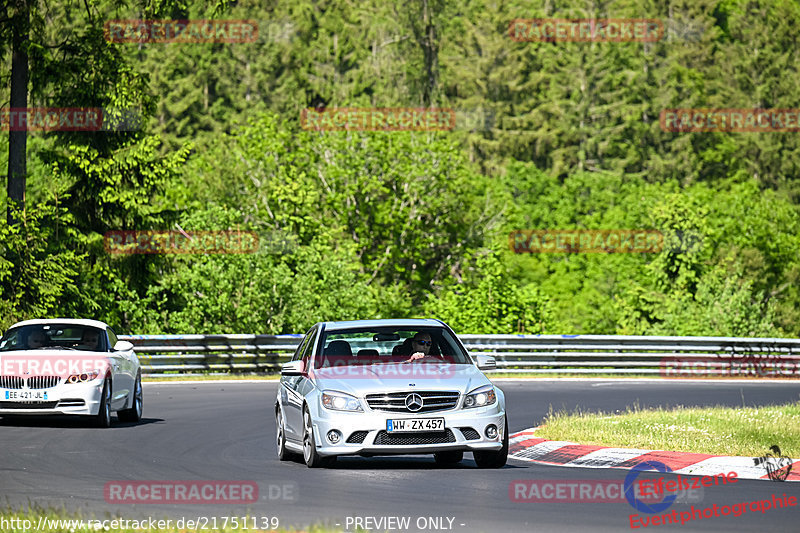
742, 431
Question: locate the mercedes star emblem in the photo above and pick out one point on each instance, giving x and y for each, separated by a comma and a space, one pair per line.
414, 402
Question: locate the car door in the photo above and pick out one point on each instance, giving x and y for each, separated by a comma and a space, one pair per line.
291, 399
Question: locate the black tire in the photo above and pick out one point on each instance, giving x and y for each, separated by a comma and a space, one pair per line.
280, 438
448, 458
310, 455
494, 459
134, 414
103, 417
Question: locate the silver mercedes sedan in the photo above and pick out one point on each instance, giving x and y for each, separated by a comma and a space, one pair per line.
388, 387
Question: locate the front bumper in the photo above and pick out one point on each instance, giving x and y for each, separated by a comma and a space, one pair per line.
464, 431
63, 399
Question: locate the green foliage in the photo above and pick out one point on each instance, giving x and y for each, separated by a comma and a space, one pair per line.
263, 292
488, 299
407, 203
38, 268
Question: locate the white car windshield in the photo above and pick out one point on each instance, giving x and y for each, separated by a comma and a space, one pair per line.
389, 345
53, 336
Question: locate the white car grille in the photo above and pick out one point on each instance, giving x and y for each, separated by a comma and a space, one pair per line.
42, 382
10, 382
32, 382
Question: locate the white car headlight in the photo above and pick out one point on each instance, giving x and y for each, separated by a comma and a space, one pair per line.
480, 397
82, 378
339, 401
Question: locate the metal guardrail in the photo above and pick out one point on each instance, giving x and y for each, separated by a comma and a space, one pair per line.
540, 354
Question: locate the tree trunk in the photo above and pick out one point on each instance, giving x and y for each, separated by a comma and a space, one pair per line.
18, 137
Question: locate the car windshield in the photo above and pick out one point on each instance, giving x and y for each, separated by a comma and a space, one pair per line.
389, 345
38, 336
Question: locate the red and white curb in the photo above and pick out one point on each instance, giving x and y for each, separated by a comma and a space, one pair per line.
525, 446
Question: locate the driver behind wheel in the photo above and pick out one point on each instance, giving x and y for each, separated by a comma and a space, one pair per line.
421, 345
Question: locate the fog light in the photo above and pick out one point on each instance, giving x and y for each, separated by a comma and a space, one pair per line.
334, 436
491, 431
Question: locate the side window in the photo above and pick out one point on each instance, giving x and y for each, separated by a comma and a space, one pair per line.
112, 339
302, 346
309, 347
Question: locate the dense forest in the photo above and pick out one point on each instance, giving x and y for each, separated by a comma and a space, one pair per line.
548, 135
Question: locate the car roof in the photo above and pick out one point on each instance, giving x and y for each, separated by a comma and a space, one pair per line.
384, 323
69, 321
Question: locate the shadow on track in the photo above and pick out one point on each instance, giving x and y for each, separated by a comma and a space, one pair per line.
65, 421
385, 462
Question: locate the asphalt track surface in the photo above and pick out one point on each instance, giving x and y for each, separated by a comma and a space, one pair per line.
213, 431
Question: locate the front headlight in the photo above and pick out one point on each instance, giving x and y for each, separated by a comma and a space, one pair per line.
82, 378
480, 397
339, 401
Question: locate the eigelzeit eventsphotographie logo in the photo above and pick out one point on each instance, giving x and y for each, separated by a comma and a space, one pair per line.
777, 465
646, 496
694, 513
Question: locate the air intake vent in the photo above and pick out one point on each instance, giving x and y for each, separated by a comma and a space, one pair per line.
27, 405
470, 433
357, 437
410, 439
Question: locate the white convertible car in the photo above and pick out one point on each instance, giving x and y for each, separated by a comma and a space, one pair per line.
69, 367
384, 387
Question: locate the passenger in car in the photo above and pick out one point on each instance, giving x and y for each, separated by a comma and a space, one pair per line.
37, 339
90, 340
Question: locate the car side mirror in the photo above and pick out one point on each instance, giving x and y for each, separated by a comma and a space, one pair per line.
123, 346
292, 368
485, 362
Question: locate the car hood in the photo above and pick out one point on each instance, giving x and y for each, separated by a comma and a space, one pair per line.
362, 380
